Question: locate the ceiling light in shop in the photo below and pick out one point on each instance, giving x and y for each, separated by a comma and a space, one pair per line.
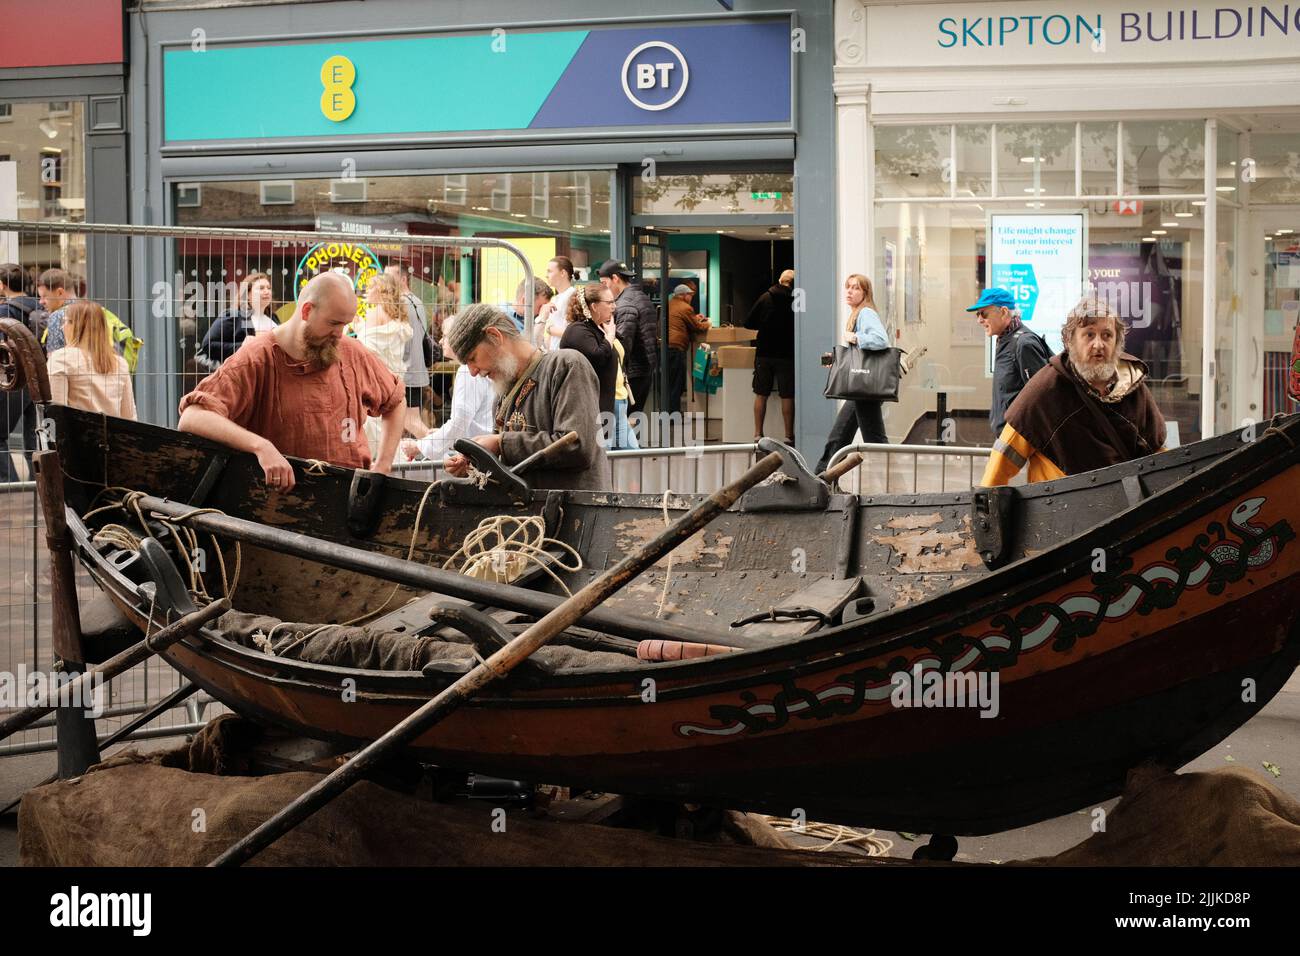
1159, 232
1171, 223
1184, 215
551, 221
519, 215
1148, 238
1225, 189
1028, 159
1284, 232
1198, 202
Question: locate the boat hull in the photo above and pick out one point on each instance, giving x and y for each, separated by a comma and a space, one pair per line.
1191, 630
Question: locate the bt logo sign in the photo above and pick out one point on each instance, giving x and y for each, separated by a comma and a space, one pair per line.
655, 69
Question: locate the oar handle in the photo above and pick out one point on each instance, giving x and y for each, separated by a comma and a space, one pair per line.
498, 665
840, 469
563, 443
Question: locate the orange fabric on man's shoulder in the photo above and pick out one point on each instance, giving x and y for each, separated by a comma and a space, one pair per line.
304, 411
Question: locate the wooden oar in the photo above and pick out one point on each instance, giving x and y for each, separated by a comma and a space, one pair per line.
142, 650
838, 471
498, 665
560, 444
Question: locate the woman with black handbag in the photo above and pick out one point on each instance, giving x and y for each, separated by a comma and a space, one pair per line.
863, 330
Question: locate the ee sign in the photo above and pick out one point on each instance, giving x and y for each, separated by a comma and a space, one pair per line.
338, 101
655, 75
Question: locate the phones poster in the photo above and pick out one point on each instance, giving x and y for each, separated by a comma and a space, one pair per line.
1041, 260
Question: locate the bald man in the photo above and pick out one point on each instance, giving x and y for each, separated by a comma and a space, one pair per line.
304, 390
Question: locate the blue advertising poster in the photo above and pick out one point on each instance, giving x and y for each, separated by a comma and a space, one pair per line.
1040, 260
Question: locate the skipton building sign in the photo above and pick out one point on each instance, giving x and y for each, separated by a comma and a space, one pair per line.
1102, 33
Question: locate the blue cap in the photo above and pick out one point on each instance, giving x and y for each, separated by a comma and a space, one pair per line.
994, 296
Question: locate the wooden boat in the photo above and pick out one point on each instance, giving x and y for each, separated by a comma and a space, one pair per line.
1140, 613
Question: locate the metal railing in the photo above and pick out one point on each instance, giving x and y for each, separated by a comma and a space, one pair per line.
933, 468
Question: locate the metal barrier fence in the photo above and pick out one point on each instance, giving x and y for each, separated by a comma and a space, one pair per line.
172, 287
913, 469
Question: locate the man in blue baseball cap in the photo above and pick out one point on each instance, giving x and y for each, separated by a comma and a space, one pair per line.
1021, 352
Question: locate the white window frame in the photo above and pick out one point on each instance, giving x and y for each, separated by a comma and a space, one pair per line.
261, 189
337, 199
500, 199
582, 199
6, 112
457, 185
60, 112
542, 209
196, 189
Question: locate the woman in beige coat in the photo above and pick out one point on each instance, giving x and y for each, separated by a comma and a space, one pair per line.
86, 373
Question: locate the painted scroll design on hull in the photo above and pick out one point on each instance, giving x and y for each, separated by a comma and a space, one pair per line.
1213, 560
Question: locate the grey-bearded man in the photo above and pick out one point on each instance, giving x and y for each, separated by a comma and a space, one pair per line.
1089, 407
542, 396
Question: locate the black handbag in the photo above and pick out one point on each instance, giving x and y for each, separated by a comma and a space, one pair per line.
862, 375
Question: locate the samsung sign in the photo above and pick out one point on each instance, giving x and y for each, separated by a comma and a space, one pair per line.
1102, 32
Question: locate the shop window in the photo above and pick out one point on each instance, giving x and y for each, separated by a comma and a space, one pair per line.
347, 190
913, 161
277, 192
1163, 156
1277, 167
1036, 160
931, 261
974, 160
189, 195
454, 190
1098, 159
6, 112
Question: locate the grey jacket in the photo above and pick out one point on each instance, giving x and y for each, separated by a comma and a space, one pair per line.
562, 395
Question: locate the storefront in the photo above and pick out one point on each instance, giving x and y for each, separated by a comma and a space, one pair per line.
1155, 146
572, 136
63, 153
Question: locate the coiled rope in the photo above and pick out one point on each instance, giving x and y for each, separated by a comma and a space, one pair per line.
500, 543
834, 833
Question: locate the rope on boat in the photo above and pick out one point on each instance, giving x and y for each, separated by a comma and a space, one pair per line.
315, 468
834, 833
668, 575
186, 539
505, 544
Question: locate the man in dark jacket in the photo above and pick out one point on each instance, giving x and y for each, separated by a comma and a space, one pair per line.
636, 324
16, 303
1021, 351
773, 316
1088, 408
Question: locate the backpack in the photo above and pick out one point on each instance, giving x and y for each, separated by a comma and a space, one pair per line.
34, 318
125, 340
